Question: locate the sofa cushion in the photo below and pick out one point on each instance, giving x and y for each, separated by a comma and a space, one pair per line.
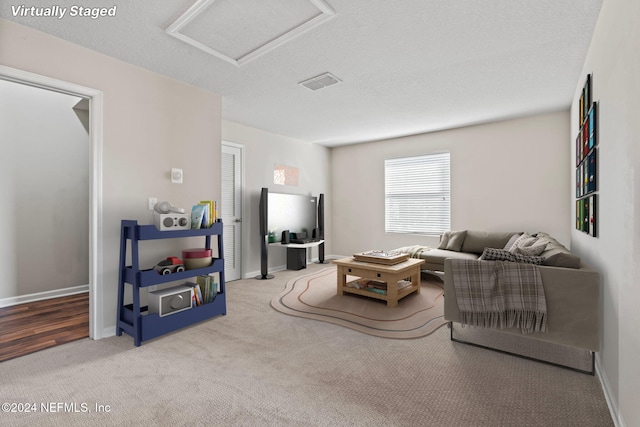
456, 239
560, 258
437, 256
476, 241
444, 240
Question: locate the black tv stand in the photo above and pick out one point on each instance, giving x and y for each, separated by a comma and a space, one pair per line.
297, 253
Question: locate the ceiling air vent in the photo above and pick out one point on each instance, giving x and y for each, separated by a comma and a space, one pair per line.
321, 81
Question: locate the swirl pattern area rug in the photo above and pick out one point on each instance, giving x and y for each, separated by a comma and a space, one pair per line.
314, 296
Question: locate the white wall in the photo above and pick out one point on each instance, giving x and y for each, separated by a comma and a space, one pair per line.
509, 175
151, 124
262, 151
614, 62
44, 182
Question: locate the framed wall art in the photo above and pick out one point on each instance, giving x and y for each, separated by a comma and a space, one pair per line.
586, 145
285, 175
592, 204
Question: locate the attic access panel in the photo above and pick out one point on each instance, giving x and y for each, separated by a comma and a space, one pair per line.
242, 30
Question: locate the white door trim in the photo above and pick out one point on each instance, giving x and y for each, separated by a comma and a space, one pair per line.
96, 320
243, 204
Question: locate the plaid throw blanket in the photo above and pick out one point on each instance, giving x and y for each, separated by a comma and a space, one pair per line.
500, 294
414, 251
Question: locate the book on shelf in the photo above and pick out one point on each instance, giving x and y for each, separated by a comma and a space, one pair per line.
214, 211
197, 213
207, 286
212, 216
216, 282
198, 295
379, 287
376, 285
205, 217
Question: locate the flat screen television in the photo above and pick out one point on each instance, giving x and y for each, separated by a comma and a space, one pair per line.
293, 212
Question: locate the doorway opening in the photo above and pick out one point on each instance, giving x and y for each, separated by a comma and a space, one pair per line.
95, 123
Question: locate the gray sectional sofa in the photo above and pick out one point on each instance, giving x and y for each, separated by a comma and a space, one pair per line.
572, 288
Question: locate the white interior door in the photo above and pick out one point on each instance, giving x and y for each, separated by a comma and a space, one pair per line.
231, 209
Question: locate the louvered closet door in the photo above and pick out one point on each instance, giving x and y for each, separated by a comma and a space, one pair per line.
231, 209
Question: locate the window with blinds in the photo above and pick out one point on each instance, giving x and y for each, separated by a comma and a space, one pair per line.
417, 194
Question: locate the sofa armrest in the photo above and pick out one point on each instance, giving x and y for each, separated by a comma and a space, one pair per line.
573, 306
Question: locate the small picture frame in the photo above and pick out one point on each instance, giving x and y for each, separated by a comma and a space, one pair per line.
592, 126
585, 100
592, 215
579, 147
585, 139
592, 171
584, 214
578, 216
578, 182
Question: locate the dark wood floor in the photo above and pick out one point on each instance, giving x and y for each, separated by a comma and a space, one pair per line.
34, 326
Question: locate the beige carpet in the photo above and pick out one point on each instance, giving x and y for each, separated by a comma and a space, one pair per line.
257, 367
313, 296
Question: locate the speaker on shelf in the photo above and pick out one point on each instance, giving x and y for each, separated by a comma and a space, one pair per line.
321, 228
171, 300
172, 221
286, 238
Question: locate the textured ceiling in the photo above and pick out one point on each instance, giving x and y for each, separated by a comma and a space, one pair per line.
406, 66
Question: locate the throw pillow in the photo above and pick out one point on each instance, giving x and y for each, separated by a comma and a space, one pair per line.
492, 254
521, 241
533, 250
456, 239
537, 260
444, 240
512, 240
528, 245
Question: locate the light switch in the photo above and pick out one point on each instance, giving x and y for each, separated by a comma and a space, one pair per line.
176, 176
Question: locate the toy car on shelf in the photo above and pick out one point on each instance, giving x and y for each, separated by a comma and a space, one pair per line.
170, 265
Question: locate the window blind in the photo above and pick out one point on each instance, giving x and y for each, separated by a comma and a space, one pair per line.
417, 194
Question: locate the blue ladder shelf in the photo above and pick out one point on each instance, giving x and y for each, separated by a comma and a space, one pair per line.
133, 319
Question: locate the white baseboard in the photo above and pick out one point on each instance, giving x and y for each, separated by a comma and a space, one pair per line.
109, 332
38, 296
608, 394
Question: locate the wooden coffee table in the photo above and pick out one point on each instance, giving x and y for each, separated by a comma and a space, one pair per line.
391, 274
